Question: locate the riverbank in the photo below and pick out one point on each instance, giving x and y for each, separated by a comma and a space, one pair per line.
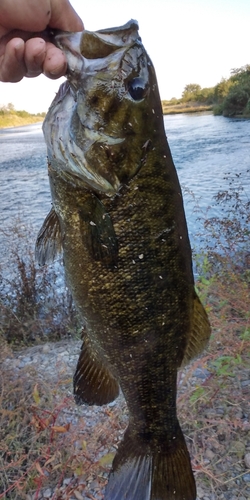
185, 108
21, 118
16, 120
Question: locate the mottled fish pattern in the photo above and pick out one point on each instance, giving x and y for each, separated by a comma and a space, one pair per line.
118, 218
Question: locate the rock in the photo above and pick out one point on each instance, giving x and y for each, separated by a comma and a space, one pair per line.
245, 383
47, 493
202, 373
246, 478
239, 414
210, 413
247, 460
66, 481
209, 454
95, 484
220, 411
200, 492
237, 447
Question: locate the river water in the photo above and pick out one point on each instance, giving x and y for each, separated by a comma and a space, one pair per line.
204, 149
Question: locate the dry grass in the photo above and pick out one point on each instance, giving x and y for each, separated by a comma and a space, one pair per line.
215, 412
13, 120
44, 443
35, 305
171, 109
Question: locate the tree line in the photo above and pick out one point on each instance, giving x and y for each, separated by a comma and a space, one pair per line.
230, 97
9, 109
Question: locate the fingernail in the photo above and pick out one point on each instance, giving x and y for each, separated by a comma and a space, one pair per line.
33, 74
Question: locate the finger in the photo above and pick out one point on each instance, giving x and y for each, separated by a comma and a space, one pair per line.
55, 63
64, 17
35, 53
12, 66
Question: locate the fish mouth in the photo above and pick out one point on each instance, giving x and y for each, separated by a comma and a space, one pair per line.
98, 44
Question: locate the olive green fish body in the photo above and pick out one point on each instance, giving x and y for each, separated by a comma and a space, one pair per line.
135, 308
118, 215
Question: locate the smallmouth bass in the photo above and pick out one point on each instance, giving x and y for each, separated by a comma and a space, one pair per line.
118, 217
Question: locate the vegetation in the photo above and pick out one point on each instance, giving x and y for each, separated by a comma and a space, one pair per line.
44, 444
230, 97
35, 305
10, 117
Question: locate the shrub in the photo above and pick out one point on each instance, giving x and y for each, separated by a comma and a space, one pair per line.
35, 304
236, 101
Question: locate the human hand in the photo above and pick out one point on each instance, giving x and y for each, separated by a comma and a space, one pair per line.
23, 54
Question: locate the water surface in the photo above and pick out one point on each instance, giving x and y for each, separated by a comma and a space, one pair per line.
204, 149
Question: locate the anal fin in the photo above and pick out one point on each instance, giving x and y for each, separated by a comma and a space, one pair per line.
200, 332
94, 384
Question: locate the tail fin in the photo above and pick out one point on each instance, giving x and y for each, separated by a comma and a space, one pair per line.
150, 471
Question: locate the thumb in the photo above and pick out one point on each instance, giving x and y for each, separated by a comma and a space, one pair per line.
64, 17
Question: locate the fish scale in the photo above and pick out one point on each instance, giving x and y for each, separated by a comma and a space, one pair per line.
118, 218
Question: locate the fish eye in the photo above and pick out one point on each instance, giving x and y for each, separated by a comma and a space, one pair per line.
137, 88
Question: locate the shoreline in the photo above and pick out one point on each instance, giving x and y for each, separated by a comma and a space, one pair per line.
180, 108
11, 121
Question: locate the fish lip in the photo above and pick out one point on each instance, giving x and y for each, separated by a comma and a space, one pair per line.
82, 50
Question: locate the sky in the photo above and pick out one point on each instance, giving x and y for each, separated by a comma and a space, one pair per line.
189, 41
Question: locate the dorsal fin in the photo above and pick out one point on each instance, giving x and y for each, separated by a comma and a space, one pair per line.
49, 239
200, 332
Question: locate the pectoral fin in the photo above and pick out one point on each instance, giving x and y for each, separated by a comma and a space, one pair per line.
49, 240
94, 384
200, 332
99, 233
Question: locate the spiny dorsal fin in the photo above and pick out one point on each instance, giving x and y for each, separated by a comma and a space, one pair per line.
200, 332
94, 384
49, 240
100, 236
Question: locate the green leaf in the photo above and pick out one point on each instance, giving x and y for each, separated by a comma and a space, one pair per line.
106, 459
